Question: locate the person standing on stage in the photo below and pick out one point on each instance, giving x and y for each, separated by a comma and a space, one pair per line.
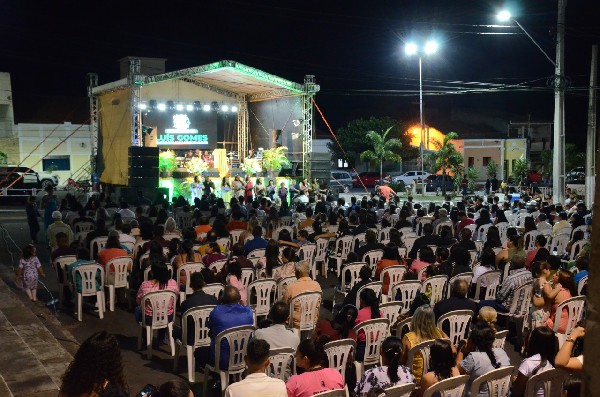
304, 187
209, 186
259, 188
249, 186
197, 187
251, 154
238, 187
271, 189
225, 190
198, 153
283, 193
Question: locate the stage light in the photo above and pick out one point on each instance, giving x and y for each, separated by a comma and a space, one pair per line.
225, 108
162, 107
410, 49
152, 104
189, 108
297, 122
170, 105
197, 105
206, 107
143, 106
179, 107
431, 47
234, 109
504, 16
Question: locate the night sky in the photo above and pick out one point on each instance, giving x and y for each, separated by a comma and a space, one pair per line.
355, 50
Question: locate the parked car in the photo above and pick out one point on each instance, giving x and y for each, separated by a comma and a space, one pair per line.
576, 175
369, 179
340, 177
29, 177
409, 176
435, 183
47, 179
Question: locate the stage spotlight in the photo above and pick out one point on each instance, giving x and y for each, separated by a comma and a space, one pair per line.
143, 106
152, 104
162, 107
234, 109
297, 122
214, 106
170, 105
179, 107
206, 107
189, 108
224, 108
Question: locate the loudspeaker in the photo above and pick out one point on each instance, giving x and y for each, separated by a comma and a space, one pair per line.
143, 181
140, 151
143, 166
320, 166
152, 193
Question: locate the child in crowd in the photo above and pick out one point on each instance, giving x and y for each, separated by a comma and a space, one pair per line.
28, 271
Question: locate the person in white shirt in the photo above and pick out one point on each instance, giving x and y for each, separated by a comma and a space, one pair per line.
257, 383
125, 212
277, 335
125, 235
541, 222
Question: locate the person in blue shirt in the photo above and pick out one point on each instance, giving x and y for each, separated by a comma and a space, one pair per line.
83, 258
582, 263
257, 242
227, 315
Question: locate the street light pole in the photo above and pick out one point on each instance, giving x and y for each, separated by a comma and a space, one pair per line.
422, 123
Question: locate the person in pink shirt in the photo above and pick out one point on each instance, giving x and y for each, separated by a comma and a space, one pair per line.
369, 309
315, 378
160, 282
426, 258
234, 277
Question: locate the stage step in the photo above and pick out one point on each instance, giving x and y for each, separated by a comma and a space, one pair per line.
32, 361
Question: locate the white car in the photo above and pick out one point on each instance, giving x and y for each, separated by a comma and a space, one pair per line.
47, 179
409, 176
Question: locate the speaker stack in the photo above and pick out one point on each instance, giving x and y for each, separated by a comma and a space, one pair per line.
143, 166
320, 166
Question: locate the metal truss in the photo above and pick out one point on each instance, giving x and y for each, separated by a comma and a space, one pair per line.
278, 93
92, 81
136, 115
242, 129
210, 87
310, 88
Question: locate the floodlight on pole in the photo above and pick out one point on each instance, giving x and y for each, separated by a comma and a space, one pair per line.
431, 47
410, 49
504, 16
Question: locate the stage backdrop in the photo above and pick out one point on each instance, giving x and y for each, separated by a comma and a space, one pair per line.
181, 129
114, 137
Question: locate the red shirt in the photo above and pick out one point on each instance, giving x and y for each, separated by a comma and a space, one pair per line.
463, 223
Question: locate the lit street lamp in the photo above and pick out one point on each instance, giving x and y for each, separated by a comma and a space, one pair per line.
429, 48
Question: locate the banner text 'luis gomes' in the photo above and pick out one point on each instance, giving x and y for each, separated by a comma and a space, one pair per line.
184, 129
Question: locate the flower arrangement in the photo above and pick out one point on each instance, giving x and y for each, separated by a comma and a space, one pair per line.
251, 166
197, 165
274, 159
167, 161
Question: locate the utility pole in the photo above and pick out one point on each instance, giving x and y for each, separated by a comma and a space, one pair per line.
590, 158
558, 158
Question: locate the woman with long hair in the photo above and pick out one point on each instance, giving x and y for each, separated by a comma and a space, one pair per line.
500, 217
160, 280
423, 328
340, 327
442, 365
564, 288
529, 225
484, 219
220, 227
390, 373
271, 260
390, 258
493, 238
426, 258
96, 369
369, 309
234, 277
315, 378
487, 263
478, 356
541, 350
186, 254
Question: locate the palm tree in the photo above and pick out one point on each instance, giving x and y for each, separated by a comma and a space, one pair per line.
382, 149
446, 158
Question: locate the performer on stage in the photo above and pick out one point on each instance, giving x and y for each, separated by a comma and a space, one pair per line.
283, 193
248, 188
208, 159
209, 186
315, 188
271, 189
238, 187
294, 189
259, 188
251, 154
304, 186
225, 190
197, 187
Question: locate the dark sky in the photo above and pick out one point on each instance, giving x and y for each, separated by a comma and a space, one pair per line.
353, 47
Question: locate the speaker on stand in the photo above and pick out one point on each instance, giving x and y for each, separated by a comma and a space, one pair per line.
143, 166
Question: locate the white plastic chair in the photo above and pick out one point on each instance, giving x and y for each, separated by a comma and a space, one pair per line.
281, 363
343, 246
436, 284
574, 308
339, 353
237, 339
235, 235
500, 339
308, 304
550, 380
161, 302
391, 311
375, 330
184, 219
60, 266
474, 254
349, 278
285, 221
408, 290
307, 253
403, 327
458, 322
558, 244
371, 258
491, 280
88, 275
215, 289
255, 255
420, 223
217, 266
467, 276
199, 315
395, 275
423, 349
376, 286
519, 306
384, 234
117, 278
451, 387
96, 245
320, 257
334, 393
263, 291
247, 277
575, 248
282, 284
529, 239
581, 284
224, 242
148, 269
404, 390
188, 269
84, 227
275, 235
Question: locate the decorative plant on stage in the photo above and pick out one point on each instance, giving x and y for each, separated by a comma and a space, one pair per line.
167, 161
446, 157
197, 165
274, 159
251, 166
382, 149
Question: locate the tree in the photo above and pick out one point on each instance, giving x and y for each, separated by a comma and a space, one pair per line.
383, 149
353, 138
520, 169
547, 161
492, 169
446, 157
472, 176
574, 157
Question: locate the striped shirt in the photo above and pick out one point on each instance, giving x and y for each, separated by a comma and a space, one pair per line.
514, 280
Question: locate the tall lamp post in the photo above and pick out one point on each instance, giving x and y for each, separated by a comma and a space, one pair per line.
410, 49
558, 158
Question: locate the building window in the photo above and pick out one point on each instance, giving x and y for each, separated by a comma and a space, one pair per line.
57, 163
486, 161
471, 161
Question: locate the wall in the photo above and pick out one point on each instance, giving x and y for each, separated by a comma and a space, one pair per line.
480, 148
513, 150
76, 148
